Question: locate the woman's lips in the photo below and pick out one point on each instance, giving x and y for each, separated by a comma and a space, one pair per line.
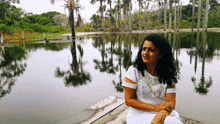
145, 57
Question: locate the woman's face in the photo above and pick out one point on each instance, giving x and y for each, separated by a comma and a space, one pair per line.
150, 54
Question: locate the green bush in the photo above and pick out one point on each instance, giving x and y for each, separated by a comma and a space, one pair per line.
186, 24
7, 29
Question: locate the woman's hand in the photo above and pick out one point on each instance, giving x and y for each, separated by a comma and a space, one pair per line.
158, 118
168, 106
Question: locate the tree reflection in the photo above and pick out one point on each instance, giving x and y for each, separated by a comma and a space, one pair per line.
127, 52
211, 45
76, 76
106, 65
203, 85
176, 47
118, 85
11, 66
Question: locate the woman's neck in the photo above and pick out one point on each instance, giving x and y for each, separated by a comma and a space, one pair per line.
151, 70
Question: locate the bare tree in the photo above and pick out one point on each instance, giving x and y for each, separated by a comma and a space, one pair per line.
170, 14
165, 15
206, 15
198, 21
61, 20
193, 8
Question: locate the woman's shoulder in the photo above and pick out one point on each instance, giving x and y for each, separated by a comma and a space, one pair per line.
132, 67
132, 70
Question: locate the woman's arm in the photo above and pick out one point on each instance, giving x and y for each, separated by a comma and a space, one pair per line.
160, 116
171, 99
130, 100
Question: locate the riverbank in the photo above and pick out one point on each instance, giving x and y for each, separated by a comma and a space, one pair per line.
143, 31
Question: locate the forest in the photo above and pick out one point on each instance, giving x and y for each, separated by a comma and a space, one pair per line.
161, 15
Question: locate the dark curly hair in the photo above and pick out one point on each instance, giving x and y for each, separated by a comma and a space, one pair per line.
165, 66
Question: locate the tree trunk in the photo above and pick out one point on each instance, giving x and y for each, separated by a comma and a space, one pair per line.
130, 17
165, 15
111, 25
206, 15
71, 19
198, 21
102, 25
175, 18
180, 15
158, 26
139, 21
119, 15
147, 16
193, 7
170, 17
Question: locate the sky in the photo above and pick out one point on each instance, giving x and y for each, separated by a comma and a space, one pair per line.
43, 6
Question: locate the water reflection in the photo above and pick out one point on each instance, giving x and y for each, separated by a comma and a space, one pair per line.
118, 52
205, 51
127, 50
76, 76
176, 50
11, 67
106, 64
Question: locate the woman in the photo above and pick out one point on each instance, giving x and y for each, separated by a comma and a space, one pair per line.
150, 84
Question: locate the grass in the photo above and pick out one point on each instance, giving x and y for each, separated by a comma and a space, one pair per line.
31, 36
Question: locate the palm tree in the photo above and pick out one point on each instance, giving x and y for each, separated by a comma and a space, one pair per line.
95, 19
71, 7
100, 9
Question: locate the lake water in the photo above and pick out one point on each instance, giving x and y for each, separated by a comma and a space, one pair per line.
48, 83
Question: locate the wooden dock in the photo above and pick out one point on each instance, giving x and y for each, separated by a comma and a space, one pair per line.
113, 110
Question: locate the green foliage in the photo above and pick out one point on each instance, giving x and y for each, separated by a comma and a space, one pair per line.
185, 24
13, 19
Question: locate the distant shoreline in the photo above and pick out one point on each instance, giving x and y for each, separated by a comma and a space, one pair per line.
143, 31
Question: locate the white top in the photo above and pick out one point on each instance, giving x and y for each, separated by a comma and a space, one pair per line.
148, 90
148, 84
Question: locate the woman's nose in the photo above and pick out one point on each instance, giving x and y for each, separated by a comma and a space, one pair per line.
146, 51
